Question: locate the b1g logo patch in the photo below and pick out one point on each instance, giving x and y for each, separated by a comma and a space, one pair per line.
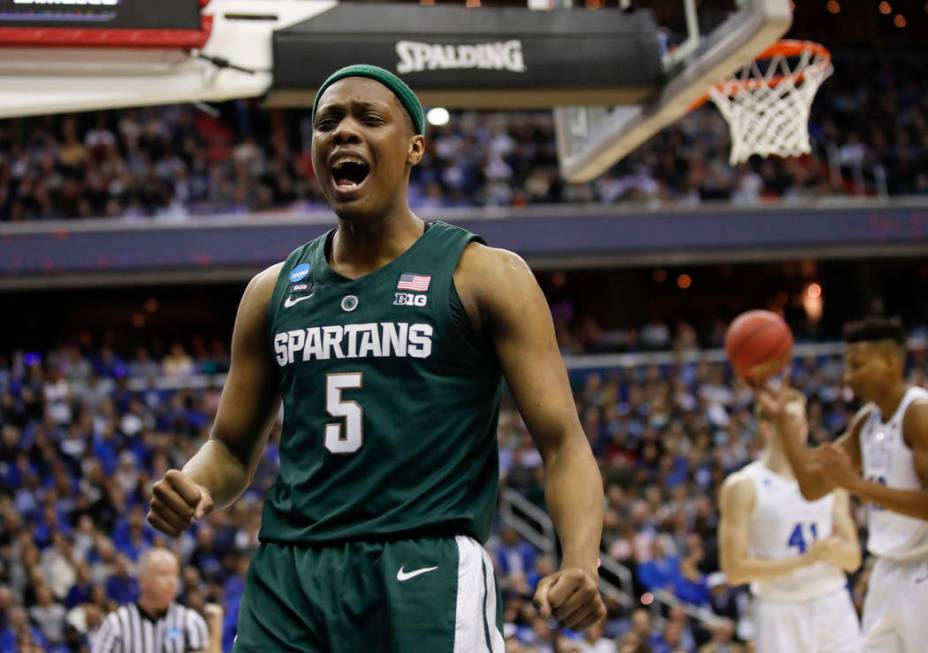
409, 299
300, 287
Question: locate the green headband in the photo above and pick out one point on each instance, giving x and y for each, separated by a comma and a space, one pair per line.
400, 89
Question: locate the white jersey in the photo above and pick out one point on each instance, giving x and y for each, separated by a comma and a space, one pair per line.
784, 524
887, 460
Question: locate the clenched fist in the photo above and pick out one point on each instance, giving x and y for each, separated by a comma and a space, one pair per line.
572, 597
176, 501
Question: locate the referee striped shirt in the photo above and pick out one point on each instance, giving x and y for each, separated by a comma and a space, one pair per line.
131, 630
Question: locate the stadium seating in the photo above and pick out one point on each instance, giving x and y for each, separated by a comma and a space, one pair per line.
84, 432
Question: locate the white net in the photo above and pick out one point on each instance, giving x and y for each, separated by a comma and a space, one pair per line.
767, 103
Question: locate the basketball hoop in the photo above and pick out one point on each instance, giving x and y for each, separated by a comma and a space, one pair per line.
766, 103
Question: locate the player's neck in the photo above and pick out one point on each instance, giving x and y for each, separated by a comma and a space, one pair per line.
359, 248
775, 460
889, 401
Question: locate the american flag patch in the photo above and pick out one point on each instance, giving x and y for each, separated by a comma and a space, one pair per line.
417, 282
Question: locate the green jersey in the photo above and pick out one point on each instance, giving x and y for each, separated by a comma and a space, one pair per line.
390, 399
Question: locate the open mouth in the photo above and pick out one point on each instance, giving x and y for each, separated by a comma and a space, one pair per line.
348, 174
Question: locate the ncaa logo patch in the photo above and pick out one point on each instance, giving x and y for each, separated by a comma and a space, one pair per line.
299, 273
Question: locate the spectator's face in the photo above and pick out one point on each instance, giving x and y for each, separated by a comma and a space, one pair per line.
673, 633
93, 615
158, 581
6, 598
723, 631
362, 118
43, 596
641, 622
18, 617
123, 566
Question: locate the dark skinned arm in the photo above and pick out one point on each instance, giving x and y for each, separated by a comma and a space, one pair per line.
841, 471
503, 299
789, 420
223, 467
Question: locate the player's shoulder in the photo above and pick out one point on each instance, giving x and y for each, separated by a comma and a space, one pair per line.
738, 485
259, 290
267, 277
915, 421
493, 282
494, 275
742, 478
860, 418
479, 259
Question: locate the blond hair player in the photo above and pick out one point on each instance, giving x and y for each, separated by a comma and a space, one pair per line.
793, 552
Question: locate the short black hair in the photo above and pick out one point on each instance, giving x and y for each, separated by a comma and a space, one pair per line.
874, 329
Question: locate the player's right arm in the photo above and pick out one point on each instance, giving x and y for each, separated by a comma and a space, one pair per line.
789, 420
842, 548
736, 502
223, 467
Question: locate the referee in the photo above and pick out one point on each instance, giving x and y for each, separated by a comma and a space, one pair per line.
156, 623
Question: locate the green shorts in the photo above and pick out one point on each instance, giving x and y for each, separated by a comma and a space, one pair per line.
428, 595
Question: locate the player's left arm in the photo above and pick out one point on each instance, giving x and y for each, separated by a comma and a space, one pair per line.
504, 300
842, 548
912, 503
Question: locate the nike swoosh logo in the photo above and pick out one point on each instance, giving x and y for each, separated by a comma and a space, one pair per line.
290, 301
403, 575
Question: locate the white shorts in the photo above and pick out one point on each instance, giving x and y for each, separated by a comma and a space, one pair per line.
896, 607
823, 625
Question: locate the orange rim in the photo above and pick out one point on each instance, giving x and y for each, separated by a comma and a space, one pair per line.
793, 48
784, 48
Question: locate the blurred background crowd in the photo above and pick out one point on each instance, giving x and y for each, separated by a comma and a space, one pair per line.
869, 133
86, 429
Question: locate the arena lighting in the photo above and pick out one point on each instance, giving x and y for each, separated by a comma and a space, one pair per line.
899, 21
684, 281
438, 116
813, 303
886, 8
833, 7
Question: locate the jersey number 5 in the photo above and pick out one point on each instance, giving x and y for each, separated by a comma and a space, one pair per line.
347, 436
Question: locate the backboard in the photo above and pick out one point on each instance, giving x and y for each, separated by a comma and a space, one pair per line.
80, 56
592, 139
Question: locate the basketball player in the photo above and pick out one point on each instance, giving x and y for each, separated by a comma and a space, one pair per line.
387, 339
793, 552
883, 459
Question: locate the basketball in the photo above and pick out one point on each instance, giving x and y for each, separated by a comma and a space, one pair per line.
758, 344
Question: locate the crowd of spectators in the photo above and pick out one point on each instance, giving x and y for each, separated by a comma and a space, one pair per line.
869, 134
85, 431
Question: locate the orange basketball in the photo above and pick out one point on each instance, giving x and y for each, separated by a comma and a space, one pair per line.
758, 344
